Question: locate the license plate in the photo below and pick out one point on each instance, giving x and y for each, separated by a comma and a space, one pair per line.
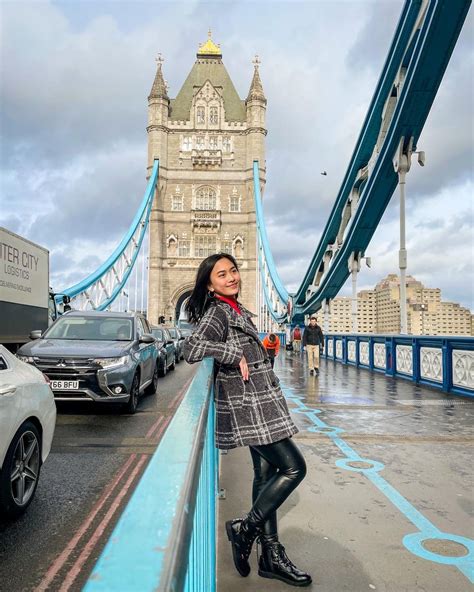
64, 385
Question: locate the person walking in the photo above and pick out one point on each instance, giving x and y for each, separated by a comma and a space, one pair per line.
250, 411
271, 343
297, 339
313, 340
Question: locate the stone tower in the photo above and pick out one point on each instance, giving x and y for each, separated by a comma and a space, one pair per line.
206, 139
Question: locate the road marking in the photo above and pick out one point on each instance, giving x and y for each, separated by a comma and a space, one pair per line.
59, 562
153, 427
414, 541
99, 531
181, 392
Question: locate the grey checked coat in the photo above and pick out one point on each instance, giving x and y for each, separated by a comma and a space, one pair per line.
247, 413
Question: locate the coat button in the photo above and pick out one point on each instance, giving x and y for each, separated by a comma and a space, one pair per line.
274, 383
250, 340
255, 365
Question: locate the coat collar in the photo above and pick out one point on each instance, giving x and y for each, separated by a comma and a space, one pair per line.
241, 321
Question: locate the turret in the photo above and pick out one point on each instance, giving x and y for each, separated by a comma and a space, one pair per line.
158, 113
256, 104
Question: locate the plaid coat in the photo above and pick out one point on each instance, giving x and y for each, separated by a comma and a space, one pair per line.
247, 413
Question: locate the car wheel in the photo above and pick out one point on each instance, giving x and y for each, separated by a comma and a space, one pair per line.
151, 388
132, 404
20, 471
177, 359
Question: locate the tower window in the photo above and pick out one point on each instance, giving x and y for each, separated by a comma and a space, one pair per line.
184, 248
187, 144
200, 143
234, 201
200, 115
206, 199
204, 245
177, 202
213, 115
213, 143
226, 144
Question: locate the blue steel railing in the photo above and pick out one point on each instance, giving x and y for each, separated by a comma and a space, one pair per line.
165, 539
446, 363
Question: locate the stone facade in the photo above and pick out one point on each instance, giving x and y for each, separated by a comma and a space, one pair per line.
206, 140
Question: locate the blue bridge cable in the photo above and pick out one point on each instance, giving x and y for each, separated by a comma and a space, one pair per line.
145, 208
425, 55
261, 229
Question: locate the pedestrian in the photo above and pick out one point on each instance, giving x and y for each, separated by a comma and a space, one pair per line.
313, 340
250, 411
271, 343
297, 339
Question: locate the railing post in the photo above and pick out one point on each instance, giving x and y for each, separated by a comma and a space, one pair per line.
390, 353
344, 349
371, 353
447, 365
416, 360
357, 352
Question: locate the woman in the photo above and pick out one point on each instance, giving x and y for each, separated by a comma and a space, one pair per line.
250, 411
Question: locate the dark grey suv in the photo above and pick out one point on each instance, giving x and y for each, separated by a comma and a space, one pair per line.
107, 357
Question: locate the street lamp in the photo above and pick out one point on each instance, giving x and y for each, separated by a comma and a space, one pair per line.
423, 308
401, 164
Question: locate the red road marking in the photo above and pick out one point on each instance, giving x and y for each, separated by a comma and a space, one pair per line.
181, 392
99, 531
162, 428
59, 562
153, 427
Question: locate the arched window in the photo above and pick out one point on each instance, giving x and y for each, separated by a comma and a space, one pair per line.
213, 142
187, 144
200, 143
226, 144
172, 246
206, 199
234, 201
213, 115
200, 115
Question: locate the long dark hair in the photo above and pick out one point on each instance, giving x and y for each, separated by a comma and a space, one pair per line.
199, 301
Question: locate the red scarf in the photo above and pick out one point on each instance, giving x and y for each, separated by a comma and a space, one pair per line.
231, 302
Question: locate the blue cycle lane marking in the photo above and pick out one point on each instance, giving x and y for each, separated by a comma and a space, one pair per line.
427, 530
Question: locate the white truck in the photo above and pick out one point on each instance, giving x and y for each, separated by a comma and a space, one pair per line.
26, 301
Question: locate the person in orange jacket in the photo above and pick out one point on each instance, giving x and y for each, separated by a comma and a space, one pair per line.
271, 343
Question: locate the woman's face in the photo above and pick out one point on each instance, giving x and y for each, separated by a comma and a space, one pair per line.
225, 278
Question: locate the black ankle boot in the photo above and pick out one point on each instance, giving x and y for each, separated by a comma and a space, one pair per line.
274, 564
242, 534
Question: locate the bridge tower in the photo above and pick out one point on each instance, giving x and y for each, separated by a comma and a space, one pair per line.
206, 139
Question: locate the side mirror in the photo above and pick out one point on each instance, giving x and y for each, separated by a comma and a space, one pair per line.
147, 338
170, 342
36, 334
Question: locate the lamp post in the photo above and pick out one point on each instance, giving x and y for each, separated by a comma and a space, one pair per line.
423, 308
401, 164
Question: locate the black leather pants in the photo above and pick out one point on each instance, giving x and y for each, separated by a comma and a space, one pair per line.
278, 469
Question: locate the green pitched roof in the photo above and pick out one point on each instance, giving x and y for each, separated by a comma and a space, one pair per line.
214, 71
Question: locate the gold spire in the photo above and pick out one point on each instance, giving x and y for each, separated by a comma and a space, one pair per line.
209, 48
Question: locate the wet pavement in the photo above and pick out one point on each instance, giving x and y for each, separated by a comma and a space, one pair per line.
388, 500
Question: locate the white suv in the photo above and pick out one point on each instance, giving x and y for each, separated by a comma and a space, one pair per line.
27, 422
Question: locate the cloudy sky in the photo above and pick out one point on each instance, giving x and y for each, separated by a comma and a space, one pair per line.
74, 77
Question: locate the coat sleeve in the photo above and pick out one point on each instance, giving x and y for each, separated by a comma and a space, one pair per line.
305, 338
207, 340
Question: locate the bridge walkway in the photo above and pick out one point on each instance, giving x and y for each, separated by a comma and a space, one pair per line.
387, 503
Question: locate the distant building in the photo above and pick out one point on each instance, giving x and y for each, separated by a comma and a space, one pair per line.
378, 311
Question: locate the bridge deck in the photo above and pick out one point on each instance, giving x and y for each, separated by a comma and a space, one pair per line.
347, 524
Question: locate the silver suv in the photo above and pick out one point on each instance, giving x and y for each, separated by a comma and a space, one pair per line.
106, 357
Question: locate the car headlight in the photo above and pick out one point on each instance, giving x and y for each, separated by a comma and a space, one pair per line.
112, 362
27, 359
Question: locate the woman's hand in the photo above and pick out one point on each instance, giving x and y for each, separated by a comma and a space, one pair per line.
244, 369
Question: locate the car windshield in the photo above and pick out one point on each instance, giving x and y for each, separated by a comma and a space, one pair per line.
158, 334
173, 333
91, 328
186, 332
